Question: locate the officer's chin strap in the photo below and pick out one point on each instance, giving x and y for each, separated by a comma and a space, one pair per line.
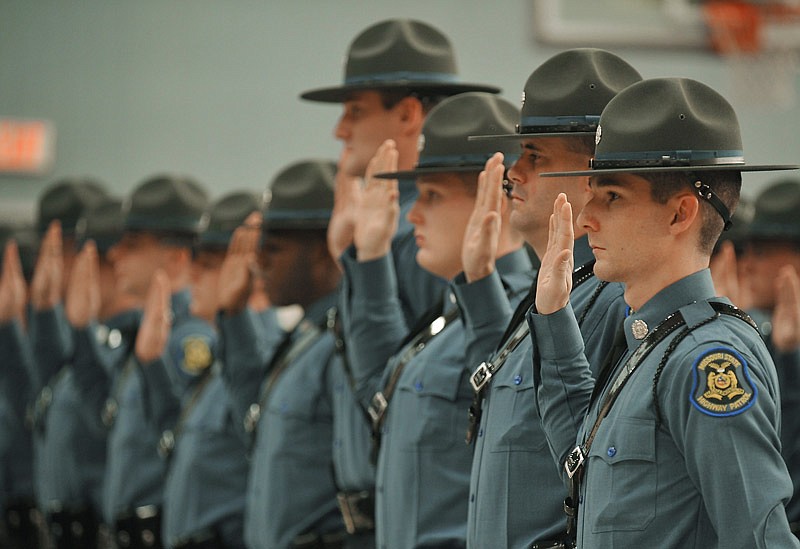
705, 192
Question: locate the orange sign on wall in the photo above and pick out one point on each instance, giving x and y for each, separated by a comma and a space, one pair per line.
26, 146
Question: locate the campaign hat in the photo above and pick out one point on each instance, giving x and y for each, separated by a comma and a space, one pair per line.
444, 142
300, 196
777, 212
225, 215
166, 204
565, 95
669, 125
66, 200
398, 54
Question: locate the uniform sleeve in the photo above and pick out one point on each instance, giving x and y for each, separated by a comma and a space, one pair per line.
721, 407
91, 375
17, 361
486, 312
51, 340
374, 322
245, 357
563, 382
788, 369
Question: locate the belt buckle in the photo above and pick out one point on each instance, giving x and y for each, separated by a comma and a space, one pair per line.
480, 377
377, 407
574, 461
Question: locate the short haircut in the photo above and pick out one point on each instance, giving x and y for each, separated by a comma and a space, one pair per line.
580, 144
725, 184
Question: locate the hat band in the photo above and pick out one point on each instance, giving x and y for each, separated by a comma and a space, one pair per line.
549, 124
455, 160
402, 75
297, 215
666, 159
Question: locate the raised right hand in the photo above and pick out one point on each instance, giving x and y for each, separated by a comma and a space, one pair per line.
82, 303
482, 235
236, 274
555, 274
345, 202
12, 285
49, 270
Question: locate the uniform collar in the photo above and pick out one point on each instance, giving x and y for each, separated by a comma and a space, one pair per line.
688, 290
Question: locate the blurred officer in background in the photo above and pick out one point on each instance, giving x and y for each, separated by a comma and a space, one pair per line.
21, 521
204, 495
291, 498
771, 265
153, 259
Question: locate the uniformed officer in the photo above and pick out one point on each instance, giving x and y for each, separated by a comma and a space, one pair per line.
20, 519
71, 439
291, 498
60, 207
200, 511
161, 218
678, 442
397, 70
417, 401
563, 99
771, 266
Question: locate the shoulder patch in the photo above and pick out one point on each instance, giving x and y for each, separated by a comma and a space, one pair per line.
722, 385
197, 355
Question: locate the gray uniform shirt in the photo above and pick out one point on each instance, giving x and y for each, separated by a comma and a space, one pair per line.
516, 492
707, 472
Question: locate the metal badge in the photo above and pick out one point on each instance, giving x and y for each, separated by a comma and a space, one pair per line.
639, 329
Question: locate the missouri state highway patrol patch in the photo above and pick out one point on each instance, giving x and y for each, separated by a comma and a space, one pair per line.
722, 385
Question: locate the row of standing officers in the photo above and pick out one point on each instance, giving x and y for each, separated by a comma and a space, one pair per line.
160, 388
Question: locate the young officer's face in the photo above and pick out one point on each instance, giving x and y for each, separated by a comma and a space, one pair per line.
532, 197
626, 227
440, 216
364, 125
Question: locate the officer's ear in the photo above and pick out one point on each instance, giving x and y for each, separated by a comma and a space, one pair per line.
685, 210
411, 114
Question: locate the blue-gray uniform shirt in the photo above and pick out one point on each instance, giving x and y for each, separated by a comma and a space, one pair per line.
291, 490
134, 469
207, 475
423, 465
705, 472
787, 365
416, 290
516, 493
70, 448
16, 441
